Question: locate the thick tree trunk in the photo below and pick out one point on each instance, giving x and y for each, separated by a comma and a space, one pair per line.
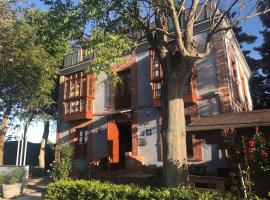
3, 130
44, 140
175, 172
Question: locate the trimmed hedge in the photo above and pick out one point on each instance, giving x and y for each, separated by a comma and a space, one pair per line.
82, 190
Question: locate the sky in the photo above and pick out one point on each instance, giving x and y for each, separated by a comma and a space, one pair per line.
252, 26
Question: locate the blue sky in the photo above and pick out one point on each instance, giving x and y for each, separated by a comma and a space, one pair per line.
252, 26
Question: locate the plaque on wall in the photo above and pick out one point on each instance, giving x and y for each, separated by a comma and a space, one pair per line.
148, 132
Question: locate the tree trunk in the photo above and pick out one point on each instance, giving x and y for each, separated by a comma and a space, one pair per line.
44, 139
3, 130
175, 172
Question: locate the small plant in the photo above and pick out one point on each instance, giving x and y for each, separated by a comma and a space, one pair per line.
13, 177
60, 169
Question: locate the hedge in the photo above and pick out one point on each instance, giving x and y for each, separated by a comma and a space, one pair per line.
82, 190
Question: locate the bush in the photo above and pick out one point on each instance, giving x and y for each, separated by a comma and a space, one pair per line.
61, 168
81, 189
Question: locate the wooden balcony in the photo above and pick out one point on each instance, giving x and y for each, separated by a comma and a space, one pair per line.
156, 78
80, 111
79, 96
190, 96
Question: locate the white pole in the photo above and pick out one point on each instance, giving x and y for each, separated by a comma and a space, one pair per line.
25, 150
21, 152
23, 143
18, 151
18, 147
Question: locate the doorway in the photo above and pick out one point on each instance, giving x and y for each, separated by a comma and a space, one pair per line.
125, 142
119, 142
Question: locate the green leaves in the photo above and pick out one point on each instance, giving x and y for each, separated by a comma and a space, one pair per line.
81, 189
60, 169
27, 71
109, 49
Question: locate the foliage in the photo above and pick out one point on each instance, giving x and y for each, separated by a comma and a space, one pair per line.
255, 149
26, 78
60, 169
81, 189
248, 154
13, 177
108, 48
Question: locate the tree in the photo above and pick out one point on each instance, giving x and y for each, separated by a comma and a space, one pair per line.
261, 78
176, 50
26, 77
55, 37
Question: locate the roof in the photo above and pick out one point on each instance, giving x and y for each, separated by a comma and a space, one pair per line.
232, 120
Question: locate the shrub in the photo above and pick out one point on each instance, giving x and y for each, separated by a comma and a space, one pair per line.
61, 168
81, 189
11, 178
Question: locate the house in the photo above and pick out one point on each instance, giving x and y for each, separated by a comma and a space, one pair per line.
123, 122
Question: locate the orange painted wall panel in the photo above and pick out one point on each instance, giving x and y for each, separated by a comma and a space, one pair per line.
113, 142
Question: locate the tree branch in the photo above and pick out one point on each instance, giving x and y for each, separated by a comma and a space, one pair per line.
179, 41
189, 25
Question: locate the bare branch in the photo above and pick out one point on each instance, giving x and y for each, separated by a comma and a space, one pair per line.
182, 7
162, 31
214, 14
179, 41
201, 10
189, 25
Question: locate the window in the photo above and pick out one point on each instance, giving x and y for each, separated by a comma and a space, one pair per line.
157, 90
189, 146
123, 90
156, 68
194, 147
81, 144
156, 71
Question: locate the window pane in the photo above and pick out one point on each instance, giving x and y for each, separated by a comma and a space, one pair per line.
157, 89
90, 86
80, 140
82, 105
85, 136
77, 108
72, 88
72, 107
67, 87
89, 105
67, 108
77, 88
83, 86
